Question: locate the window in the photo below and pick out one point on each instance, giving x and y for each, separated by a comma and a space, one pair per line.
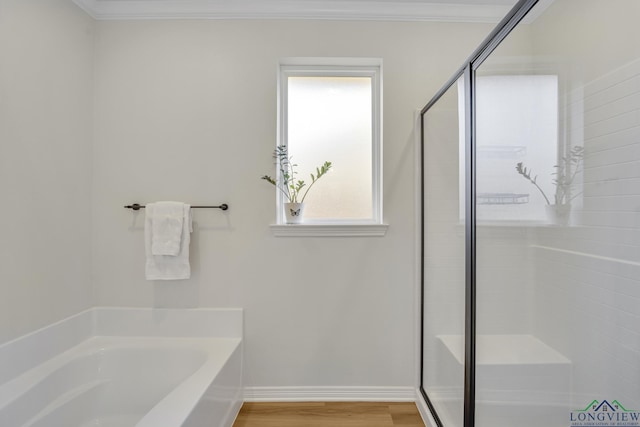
330, 110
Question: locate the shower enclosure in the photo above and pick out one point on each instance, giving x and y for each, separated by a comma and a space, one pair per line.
531, 224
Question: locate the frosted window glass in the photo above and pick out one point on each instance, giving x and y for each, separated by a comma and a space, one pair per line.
330, 119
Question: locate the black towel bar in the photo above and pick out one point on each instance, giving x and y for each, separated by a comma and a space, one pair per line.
137, 207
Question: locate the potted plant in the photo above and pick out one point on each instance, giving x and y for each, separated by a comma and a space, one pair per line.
565, 174
294, 190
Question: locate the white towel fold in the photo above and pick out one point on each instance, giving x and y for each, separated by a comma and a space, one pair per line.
167, 267
166, 227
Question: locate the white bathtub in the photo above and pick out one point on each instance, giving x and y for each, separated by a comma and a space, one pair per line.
127, 381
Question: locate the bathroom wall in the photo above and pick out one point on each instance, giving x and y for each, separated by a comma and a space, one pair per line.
186, 110
46, 66
587, 301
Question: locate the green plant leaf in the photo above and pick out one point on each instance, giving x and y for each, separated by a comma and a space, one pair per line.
287, 182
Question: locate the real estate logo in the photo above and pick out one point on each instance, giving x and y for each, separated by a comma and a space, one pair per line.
603, 413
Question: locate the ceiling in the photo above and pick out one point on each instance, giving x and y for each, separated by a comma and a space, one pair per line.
391, 10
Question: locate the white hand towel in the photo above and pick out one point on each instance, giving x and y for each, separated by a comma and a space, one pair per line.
166, 227
168, 267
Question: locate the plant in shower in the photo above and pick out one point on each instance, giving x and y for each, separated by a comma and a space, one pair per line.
565, 174
295, 190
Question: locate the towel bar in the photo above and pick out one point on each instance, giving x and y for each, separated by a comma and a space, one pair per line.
137, 207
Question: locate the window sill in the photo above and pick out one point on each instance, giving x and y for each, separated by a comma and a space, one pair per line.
329, 230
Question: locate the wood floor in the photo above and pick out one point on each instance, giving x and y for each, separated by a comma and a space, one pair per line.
329, 414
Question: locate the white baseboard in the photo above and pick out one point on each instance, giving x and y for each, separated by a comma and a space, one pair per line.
329, 394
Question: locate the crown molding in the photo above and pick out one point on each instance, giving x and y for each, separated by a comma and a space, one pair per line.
365, 10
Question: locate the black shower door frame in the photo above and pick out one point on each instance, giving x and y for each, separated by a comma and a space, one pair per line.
467, 72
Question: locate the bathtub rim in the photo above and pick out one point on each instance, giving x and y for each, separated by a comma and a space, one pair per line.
174, 407
23, 353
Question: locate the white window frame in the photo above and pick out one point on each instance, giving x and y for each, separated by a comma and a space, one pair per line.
335, 67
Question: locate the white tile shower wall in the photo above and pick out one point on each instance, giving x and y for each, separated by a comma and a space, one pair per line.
592, 316
503, 281
588, 277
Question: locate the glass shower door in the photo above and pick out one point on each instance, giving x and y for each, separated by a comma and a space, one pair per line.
558, 220
521, 379
443, 259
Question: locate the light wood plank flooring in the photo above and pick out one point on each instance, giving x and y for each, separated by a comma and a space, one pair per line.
329, 414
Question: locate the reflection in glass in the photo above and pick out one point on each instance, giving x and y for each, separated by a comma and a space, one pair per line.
557, 236
558, 286
516, 123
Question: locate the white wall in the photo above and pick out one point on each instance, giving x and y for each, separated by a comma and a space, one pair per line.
45, 163
186, 110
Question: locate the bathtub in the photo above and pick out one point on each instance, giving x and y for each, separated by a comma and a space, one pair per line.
129, 379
